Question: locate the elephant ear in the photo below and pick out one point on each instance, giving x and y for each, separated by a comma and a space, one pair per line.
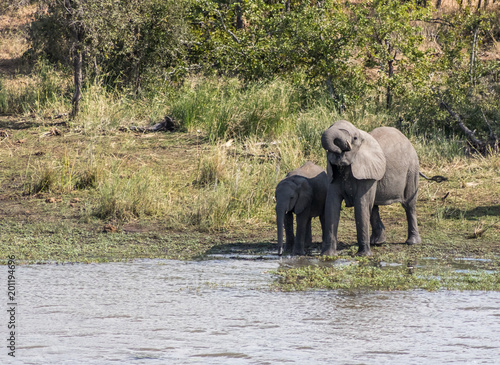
305, 197
369, 162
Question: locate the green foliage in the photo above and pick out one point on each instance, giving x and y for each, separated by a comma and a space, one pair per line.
124, 41
360, 274
368, 274
390, 39
9, 5
375, 52
314, 40
459, 77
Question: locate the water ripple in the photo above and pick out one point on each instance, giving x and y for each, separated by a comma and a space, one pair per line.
220, 311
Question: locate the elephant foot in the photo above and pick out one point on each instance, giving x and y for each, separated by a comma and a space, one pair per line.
413, 240
299, 253
280, 251
329, 252
364, 252
378, 238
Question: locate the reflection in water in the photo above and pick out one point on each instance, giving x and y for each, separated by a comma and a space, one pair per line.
222, 312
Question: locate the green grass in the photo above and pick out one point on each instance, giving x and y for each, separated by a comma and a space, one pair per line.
42, 242
372, 274
44, 91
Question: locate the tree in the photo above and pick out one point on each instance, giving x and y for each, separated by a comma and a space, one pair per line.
467, 91
123, 42
390, 37
309, 38
75, 25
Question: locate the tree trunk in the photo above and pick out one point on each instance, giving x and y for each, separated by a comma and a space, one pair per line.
389, 87
77, 64
390, 72
470, 134
77, 55
239, 15
473, 59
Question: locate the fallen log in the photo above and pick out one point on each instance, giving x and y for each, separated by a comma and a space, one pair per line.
167, 125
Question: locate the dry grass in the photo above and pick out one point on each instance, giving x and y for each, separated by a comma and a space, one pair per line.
13, 42
26, 88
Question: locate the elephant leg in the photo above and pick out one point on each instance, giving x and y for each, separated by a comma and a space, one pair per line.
363, 205
300, 237
309, 234
378, 228
289, 232
411, 217
331, 225
322, 221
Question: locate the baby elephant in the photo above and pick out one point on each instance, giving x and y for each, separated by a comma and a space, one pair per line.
303, 192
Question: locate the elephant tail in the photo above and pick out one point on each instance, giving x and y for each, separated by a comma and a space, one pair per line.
436, 178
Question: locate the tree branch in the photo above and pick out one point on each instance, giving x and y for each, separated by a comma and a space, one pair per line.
225, 28
470, 134
440, 21
473, 57
493, 136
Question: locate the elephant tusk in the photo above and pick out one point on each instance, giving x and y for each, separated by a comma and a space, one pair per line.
349, 147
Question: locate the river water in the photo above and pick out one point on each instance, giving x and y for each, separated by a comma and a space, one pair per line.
222, 311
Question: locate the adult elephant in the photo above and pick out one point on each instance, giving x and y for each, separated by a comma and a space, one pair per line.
303, 192
367, 170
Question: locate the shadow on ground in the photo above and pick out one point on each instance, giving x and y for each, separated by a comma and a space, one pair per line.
238, 248
475, 213
21, 124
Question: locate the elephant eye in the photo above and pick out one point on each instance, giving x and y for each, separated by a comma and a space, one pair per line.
355, 138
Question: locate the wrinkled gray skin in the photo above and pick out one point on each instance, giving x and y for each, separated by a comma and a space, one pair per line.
303, 192
368, 170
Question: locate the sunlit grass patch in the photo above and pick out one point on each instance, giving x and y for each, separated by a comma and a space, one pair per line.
43, 93
125, 194
61, 175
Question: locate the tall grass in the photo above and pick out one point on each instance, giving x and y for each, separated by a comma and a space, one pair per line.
238, 185
68, 173
225, 108
259, 132
104, 109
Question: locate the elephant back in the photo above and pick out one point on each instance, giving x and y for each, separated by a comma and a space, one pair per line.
397, 149
317, 179
308, 170
400, 182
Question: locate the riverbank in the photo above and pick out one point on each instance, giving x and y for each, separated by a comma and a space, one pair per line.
89, 189
72, 196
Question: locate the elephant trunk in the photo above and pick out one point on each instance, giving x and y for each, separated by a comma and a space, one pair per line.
335, 140
284, 218
343, 144
280, 221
